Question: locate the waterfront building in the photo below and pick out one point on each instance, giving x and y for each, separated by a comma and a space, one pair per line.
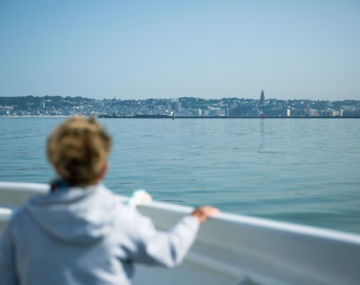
312, 112
178, 107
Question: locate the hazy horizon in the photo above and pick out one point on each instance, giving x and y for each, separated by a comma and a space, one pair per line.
204, 49
172, 98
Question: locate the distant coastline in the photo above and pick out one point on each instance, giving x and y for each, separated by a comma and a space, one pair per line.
183, 107
220, 117
176, 117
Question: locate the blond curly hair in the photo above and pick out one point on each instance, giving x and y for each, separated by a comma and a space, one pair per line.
79, 149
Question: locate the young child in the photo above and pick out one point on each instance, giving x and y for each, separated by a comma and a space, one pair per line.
81, 233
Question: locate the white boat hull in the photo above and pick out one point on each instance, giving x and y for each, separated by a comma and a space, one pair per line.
233, 249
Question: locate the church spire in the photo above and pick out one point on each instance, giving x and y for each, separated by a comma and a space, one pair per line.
262, 98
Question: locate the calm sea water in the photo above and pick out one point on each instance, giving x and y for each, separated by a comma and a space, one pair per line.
303, 170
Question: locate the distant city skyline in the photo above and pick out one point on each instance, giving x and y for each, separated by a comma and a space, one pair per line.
185, 107
160, 49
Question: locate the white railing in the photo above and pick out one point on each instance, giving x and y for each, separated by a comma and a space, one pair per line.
234, 249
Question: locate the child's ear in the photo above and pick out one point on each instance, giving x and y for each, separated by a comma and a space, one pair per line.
104, 170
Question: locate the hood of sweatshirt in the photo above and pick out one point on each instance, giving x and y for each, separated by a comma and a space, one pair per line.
76, 215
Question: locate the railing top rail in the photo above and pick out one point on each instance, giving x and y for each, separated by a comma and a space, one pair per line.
221, 217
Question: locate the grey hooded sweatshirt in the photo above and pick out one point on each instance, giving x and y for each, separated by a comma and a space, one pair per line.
86, 236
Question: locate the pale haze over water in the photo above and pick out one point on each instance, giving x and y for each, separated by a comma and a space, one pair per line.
298, 170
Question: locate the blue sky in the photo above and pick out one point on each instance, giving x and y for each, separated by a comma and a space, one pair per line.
169, 49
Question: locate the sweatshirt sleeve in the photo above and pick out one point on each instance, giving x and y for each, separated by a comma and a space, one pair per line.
7, 259
164, 248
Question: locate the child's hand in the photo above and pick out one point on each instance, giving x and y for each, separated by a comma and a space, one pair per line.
139, 197
204, 212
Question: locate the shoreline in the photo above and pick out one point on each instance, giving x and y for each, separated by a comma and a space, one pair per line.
182, 117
